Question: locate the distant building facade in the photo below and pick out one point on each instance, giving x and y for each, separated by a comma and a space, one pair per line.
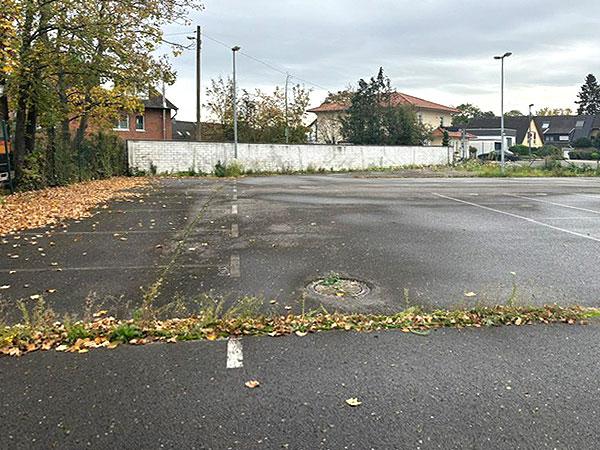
326, 129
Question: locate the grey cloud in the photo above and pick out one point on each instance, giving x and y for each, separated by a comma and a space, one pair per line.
429, 44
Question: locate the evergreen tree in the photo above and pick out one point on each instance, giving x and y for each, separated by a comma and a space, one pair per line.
446, 139
373, 119
589, 96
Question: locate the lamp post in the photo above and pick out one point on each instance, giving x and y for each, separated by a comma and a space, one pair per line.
529, 130
503, 143
235, 130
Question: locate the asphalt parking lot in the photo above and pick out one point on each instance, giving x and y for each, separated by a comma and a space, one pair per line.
413, 241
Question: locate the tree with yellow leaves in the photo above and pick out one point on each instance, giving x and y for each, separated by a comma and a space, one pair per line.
75, 62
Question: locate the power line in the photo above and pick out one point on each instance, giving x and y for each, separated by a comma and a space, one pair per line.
266, 64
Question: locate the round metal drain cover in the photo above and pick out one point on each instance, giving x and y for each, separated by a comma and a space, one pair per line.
335, 286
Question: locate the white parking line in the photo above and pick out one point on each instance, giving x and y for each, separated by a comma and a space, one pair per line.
235, 230
234, 266
517, 216
555, 203
587, 195
235, 353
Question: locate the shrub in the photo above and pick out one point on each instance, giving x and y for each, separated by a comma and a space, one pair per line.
581, 154
521, 150
101, 155
33, 175
220, 169
234, 169
549, 151
583, 142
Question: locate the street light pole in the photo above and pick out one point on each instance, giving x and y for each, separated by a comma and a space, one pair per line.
502, 138
529, 130
235, 130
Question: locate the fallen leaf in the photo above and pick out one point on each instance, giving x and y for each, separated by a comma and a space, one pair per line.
301, 333
470, 294
252, 384
353, 401
35, 297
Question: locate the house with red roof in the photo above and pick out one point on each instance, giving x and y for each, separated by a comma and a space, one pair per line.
327, 126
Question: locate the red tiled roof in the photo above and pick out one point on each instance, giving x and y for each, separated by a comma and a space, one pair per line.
398, 98
452, 134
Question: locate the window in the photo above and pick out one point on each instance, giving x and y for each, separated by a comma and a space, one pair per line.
442, 121
563, 138
139, 123
546, 125
580, 124
549, 138
509, 142
122, 123
497, 146
420, 117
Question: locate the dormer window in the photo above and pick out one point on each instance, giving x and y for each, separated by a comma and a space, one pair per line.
545, 125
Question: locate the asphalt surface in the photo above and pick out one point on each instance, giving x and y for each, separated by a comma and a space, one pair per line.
508, 388
413, 241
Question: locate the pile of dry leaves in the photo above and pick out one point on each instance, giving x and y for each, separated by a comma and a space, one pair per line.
107, 332
53, 205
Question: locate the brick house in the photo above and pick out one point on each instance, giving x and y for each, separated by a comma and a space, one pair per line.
155, 122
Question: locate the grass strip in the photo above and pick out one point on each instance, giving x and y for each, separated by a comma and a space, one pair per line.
105, 331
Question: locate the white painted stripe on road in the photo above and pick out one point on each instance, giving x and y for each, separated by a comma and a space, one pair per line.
562, 205
587, 195
234, 209
235, 230
234, 266
234, 196
235, 353
517, 216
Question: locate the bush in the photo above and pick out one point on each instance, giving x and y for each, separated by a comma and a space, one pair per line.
235, 169
520, 150
582, 154
549, 151
33, 175
220, 169
583, 142
101, 155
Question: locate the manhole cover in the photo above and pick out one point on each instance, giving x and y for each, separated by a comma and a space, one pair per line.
336, 286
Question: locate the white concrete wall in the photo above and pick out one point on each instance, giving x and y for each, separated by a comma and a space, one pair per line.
179, 156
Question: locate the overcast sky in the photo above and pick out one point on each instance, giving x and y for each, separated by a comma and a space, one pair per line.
440, 50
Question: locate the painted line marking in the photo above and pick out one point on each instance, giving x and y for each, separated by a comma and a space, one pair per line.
517, 216
235, 230
234, 266
571, 218
234, 209
235, 353
588, 195
555, 203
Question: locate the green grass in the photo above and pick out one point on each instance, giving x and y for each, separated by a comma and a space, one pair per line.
553, 169
210, 320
